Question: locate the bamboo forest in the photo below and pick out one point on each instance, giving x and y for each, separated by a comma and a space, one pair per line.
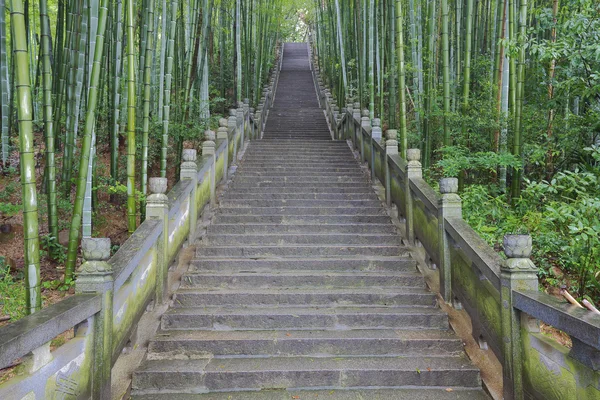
104, 102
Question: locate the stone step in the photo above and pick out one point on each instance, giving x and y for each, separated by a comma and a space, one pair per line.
304, 318
409, 393
312, 264
250, 229
293, 156
198, 344
323, 165
299, 203
300, 279
244, 173
299, 170
390, 296
280, 239
248, 251
293, 210
306, 186
302, 219
303, 372
231, 196
311, 190
333, 179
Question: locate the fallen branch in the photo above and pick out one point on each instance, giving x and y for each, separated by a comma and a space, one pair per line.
4, 318
570, 298
590, 306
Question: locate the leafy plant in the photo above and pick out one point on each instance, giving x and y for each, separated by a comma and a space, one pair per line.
55, 250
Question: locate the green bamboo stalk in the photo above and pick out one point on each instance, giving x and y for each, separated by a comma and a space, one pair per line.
446, 71
131, 200
372, 59
467, 67
48, 127
167, 96
27, 159
117, 66
86, 144
4, 88
401, 78
146, 109
238, 47
517, 138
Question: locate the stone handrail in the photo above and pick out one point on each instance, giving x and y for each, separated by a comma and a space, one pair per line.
21, 337
499, 295
114, 292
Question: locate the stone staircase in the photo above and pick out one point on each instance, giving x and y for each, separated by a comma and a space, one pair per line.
302, 288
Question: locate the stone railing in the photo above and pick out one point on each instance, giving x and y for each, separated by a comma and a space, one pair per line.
500, 295
112, 293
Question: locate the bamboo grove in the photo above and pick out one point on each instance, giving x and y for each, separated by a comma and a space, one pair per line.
456, 76
131, 79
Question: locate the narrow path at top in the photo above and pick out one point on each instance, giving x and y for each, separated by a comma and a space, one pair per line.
296, 113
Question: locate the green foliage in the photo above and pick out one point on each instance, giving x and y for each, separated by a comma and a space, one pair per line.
562, 215
8, 209
56, 251
12, 294
59, 285
457, 158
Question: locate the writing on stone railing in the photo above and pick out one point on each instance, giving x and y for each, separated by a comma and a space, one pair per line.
112, 293
500, 295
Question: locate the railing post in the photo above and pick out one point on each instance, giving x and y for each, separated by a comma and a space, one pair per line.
232, 126
517, 272
414, 170
259, 118
449, 206
189, 171
240, 122
375, 136
222, 135
365, 123
336, 120
246, 127
157, 207
355, 124
391, 148
95, 275
349, 123
252, 134
208, 149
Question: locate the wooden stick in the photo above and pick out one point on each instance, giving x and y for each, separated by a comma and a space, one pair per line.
4, 318
570, 298
590, 306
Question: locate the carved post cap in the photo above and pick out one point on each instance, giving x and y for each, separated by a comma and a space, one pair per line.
517, 246
357, 106
376, 122
190, 155
232, 112
252, 110
448, 185
246, 101
223, 123
365, 113
209, 135
413, 155
391, 134
157, 185
96, 249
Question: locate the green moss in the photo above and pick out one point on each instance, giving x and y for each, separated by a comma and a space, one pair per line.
220, 168
426, 227
550, 374
131, 298
398, 196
